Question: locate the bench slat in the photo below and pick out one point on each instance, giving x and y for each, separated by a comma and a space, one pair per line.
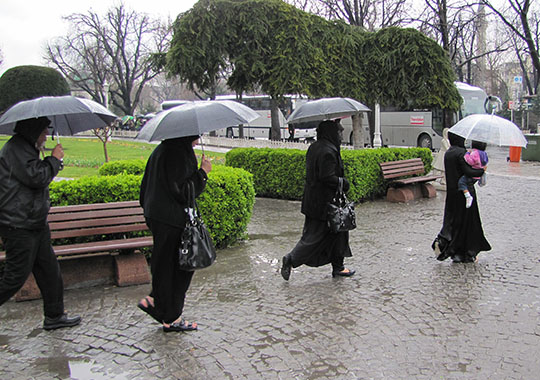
98, 246
402, 173
93, 206
94, 214
103, 246
98, 231
407, 181
86, 223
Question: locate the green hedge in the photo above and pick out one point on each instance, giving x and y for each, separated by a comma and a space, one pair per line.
123, 167
226, 204
280, 173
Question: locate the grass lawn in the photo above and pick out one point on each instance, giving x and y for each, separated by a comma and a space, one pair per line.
84, 156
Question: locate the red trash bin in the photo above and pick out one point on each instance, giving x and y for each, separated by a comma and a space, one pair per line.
515, 153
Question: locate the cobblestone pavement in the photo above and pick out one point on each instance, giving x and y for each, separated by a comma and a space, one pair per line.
403, 316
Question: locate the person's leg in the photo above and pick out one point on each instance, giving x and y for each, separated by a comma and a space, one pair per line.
179, 288
169, 283
337, 264
21, 247
341, 248
463, 185
48, 277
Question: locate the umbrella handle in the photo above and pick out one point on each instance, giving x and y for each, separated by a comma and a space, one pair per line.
201, 143
55, 133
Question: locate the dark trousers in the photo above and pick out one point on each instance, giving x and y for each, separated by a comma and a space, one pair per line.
31, 251
464, 182
169, 282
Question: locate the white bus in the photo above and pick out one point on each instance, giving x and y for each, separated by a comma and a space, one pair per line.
260, 127
422, 128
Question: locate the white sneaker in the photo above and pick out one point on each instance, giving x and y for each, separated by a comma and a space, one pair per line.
468, 201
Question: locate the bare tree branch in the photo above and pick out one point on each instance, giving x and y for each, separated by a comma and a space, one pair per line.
114, 51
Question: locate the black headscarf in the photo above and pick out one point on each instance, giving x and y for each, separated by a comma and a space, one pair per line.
456, 140
30, 129
330, 130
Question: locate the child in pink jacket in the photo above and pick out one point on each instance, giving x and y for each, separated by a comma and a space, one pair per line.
478, 159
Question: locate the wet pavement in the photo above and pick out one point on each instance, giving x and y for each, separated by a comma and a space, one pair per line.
403, 316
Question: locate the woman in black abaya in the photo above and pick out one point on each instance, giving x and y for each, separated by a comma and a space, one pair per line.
171, 168
318, 245
461, 236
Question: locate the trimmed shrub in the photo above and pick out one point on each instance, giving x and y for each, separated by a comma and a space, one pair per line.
123, 167
280, 173
94, 189
226, 204
30, 82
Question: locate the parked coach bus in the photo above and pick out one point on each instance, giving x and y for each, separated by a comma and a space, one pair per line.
421, 128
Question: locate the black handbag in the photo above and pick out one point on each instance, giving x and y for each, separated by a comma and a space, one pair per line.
340, 214
197, 250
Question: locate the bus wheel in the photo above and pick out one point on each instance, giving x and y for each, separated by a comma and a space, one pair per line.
229, 133
424, 142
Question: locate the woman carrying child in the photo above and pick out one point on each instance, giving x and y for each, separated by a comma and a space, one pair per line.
461, 236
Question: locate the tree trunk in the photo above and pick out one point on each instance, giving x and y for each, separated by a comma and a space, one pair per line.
358, 132
105, 150
275, 131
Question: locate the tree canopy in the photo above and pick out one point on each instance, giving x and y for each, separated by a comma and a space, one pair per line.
280, 49
28, 82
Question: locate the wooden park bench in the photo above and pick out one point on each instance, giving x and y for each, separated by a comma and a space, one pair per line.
406, 181
113, 257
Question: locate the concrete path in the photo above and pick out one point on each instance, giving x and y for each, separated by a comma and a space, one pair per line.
403, 316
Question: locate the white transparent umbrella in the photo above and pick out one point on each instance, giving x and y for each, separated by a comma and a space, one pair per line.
326, 109
196, 118
490, 129
68, 114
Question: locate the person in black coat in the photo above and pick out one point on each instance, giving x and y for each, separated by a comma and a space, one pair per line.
24, 206
319, 246
163, 196
461, 236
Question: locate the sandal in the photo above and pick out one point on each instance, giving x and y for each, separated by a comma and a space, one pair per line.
181, 325
344, 273
147, 307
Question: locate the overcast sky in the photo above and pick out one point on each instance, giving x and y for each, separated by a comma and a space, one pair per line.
27, 25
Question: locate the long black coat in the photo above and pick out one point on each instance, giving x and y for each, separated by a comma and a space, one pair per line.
164, 190
462, 232
24, 183
323, 169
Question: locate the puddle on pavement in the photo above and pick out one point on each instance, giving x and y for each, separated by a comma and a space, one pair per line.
76, 368
34, 333
4, 340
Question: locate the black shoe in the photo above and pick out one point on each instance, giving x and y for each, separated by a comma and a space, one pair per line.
441, 256
61, 321
462, 259
342, 273
286, 268
182, 325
